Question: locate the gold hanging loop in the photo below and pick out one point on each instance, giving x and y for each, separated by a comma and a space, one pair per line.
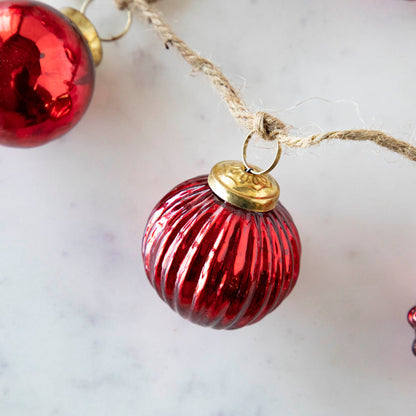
252, 170
84, 8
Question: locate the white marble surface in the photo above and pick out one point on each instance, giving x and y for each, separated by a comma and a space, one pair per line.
81, 330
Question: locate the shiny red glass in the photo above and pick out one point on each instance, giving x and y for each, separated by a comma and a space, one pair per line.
215, 264
411, 317
46, 74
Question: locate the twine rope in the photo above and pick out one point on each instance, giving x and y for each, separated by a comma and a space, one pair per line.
264, 124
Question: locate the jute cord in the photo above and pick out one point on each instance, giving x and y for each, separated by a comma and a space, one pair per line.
264, 124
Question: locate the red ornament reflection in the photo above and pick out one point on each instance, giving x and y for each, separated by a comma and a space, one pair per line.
215, 264
46, 74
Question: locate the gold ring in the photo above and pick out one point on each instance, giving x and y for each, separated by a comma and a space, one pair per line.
271, 167
83, 9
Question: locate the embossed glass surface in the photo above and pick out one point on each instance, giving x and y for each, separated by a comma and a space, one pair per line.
46, 74
215, 264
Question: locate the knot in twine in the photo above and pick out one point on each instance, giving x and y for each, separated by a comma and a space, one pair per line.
127, 4
266, 125
269, 127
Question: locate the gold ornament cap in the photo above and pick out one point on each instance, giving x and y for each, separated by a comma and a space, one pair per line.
88, 30
233, 183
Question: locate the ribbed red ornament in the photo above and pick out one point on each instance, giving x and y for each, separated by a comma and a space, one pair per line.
215, 264
46, 74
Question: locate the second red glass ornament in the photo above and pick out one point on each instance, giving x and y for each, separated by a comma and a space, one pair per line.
221, 250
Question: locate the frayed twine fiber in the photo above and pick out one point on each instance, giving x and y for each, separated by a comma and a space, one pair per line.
264, 124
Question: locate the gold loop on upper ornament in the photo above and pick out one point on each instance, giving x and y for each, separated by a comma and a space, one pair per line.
253, 169
84, 8
231, 182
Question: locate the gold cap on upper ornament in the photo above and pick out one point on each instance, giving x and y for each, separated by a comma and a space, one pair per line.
87, 29
232, 182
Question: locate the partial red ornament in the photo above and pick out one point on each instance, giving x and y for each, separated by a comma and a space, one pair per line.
411, 317
216, 264
46, 74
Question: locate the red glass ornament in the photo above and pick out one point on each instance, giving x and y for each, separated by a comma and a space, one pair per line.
411, 317
215, 264
46, 74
